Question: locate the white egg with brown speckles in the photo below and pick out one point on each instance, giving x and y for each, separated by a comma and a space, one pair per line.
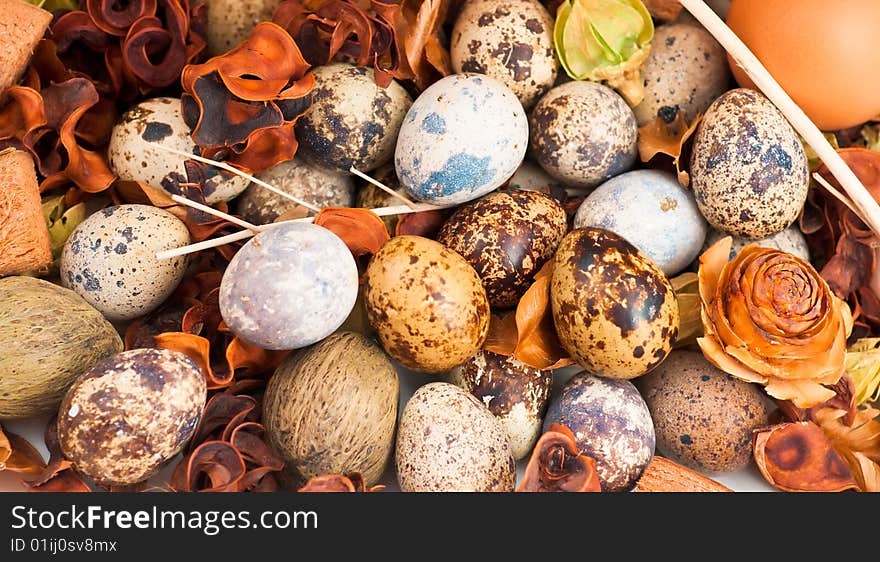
289, 287
650, 210
583, 133
121, 421
352, 121
513, 391
110, 260
462, 138
448, 441
509, 40
134, 157
611, 423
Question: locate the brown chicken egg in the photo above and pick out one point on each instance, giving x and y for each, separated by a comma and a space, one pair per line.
426, 303
614, 310
507, 237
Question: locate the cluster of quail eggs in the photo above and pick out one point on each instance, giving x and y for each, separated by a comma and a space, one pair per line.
503, 143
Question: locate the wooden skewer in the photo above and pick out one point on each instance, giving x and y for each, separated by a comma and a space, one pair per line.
859, 196
219, 214
237, 172
839, 196
382, 186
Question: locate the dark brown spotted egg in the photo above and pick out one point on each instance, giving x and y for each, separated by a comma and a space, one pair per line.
583, 133
130, 414
749, 171
426, 303
352, 121
509, 40
614, 310
110, 260
515, 392
703, 417
134, 157
507, 237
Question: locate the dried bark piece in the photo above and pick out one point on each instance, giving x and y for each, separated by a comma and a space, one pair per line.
557, 465
798, 457
22, 25
666, 10
24, 236
663, 475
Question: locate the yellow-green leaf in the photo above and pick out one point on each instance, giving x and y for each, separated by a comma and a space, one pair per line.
871, 136
863, 365
687, 292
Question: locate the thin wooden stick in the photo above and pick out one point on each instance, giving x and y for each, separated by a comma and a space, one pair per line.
857, 193
219, 214
839, 196
382, 186
237, 172
247, 233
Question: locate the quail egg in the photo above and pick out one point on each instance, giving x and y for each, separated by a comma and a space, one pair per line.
791, 240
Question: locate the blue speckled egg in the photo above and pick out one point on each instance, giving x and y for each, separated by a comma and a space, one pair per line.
462, 138
290, 286
652, 212
110, 260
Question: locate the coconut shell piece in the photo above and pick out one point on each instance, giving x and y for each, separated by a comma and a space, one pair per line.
557, 465
22, 25
24, 236
798, 457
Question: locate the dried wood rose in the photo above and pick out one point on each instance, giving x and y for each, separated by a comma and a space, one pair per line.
557, 465
769, 318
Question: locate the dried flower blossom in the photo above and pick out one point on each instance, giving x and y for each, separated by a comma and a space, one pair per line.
557, 465
769, 318
863, 366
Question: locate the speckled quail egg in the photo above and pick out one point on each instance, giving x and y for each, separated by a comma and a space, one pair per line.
297, 177
352, 121
790, 240
159, 121
426, 303
332, 408
532, 177
614, 310
462, 138
651, 211
509, 40
110, 259
290, 286
703, 417
229, 22
583, 133
448, 441
514, 392
506, 236
684, 73
130, 414
749, 171
611, 423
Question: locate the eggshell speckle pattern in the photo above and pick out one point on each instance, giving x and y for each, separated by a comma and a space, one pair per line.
615, 312
312, 184
110, 259
229, 22
462, 138
583, 133
509, 40
532, 177
652, 212
611, 424
790, 240
131, 413
749, 171
703, 417
159, 121
507, 237
448, 441
352, 121
426, 303
290, 286
332, 408
514, 392
684, 73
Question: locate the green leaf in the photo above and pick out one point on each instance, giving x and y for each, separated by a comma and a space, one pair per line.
871, 136
604, 41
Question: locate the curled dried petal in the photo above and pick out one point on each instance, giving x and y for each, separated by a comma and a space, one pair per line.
361, 230
671, 140
59, 475
17, 455
351, 482
556, 465
215, 466
115, 18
